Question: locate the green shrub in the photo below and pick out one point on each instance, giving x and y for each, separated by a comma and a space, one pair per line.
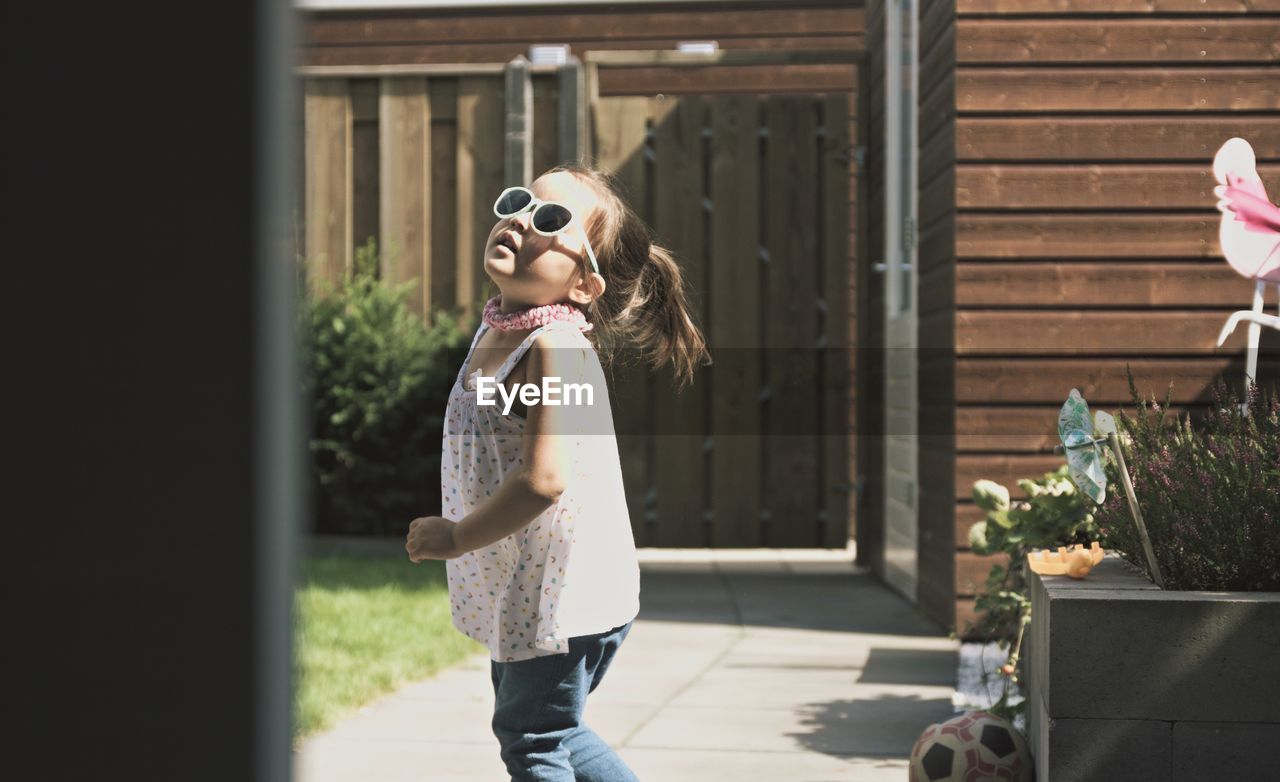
1209, 493
1053, 514
378, 381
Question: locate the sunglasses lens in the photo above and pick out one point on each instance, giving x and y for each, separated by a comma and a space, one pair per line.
512, 201
550, 218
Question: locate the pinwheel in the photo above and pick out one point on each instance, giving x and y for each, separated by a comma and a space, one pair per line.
1085, 456
1250, 238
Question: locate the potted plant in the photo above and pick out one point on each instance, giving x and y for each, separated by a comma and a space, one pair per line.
1130, 681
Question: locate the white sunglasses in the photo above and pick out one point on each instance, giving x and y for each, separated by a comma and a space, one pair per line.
549, 217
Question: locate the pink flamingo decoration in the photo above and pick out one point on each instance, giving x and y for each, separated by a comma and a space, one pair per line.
1250, 238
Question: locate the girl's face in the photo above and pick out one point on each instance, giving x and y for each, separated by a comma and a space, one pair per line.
545, 269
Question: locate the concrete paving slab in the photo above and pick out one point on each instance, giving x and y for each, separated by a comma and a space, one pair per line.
416, 719
331, 760
683, 764
888, 725
745, 665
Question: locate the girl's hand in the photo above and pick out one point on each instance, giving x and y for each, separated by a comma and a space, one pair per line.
431, 537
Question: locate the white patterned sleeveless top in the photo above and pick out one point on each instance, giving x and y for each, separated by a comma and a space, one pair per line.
573, 569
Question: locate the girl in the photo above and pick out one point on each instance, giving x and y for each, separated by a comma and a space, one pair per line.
540, 557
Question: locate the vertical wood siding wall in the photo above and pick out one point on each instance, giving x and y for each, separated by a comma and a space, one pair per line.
936, 259
935, 309
869, 359
1085, 223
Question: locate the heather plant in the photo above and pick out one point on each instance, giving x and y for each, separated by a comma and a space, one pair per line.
1209, 492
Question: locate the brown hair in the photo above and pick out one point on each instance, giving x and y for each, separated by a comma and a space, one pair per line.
644, 301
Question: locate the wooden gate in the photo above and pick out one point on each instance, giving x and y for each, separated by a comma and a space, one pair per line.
752, 193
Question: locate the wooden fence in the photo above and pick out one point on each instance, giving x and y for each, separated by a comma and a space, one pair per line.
751, 192
414, 156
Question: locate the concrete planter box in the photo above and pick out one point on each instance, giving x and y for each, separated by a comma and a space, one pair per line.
1128, 682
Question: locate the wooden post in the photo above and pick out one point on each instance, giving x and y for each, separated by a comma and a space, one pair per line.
1113, 440
836, 266
479, 180
518, 141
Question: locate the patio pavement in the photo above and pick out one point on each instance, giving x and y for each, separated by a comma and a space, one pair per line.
744, 665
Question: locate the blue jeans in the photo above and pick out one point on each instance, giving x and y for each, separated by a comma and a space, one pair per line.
537, 714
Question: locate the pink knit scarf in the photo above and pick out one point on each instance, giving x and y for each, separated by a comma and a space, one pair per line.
532, 317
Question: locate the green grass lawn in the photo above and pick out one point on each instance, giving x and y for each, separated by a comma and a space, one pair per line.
365, 625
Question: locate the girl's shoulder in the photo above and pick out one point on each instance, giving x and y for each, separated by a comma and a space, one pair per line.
563, 352
562, 334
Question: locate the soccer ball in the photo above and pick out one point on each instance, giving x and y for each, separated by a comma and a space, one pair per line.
976, 746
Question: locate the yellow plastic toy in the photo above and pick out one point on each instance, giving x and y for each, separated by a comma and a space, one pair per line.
1075, 561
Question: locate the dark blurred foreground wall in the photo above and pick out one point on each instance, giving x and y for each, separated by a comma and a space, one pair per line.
158, 445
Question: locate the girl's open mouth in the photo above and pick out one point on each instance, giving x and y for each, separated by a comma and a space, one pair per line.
505, 242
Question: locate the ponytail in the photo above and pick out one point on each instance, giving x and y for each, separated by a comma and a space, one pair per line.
662, 324
644, 303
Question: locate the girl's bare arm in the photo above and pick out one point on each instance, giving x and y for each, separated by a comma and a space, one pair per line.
547, 436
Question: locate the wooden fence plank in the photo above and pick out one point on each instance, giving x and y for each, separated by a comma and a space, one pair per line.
680, 477
1122, 41
365, 219
1131, 187
619, 148
328, 215
791, 322
443, 96
405, 203
735, 334
364, 92
1071, 283
480, 180
1098, 90
837, 330
1100, 139
1184, 332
